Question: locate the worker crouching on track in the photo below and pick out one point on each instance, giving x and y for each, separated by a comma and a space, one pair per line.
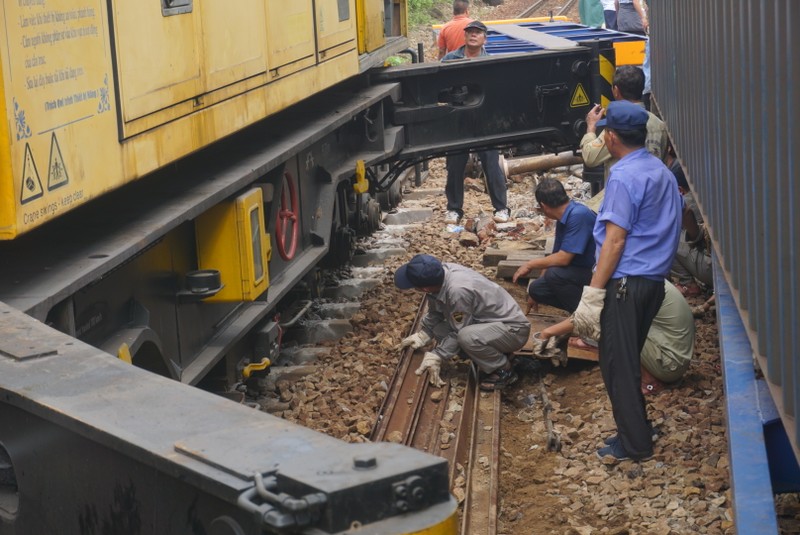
667, 351
467, 314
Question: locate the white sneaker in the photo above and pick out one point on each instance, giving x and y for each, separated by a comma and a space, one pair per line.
451, 217
502, 216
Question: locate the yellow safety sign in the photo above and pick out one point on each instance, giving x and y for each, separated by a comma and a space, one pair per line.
31, 184
57, 175
579, 98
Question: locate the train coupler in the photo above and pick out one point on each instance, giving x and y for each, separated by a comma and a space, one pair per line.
281, 512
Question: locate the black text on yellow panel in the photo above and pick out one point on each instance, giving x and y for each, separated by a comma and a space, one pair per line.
231, 239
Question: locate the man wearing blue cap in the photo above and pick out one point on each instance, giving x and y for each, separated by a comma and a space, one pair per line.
636, 232
467, 313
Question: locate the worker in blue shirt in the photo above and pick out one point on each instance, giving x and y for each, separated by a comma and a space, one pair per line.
637, 233
569, 268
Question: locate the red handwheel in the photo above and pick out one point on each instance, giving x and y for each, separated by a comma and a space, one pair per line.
286, 224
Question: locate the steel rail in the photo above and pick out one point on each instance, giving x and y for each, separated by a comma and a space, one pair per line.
458, 423
480, 504
387, 422
566, 7
531, 11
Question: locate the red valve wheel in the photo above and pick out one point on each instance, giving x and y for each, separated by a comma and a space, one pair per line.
287, 226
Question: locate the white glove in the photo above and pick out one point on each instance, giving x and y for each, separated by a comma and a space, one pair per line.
553, 348
433, 364
539, 345
416, 340
586, 318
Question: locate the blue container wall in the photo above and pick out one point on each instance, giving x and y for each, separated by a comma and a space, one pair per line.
726, 76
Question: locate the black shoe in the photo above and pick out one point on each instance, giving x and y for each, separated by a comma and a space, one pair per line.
615, 438
617, 451
498, 379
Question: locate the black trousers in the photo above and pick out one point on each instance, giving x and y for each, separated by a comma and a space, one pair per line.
495, 180
561, 287
625, 322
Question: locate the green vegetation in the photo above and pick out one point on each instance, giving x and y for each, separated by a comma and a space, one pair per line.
425, 12
394, 61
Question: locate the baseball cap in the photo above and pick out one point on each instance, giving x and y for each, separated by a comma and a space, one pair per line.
422, 270
478, 25
624, 115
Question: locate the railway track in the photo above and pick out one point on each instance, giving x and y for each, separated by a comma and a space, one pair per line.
538, 7
457, 422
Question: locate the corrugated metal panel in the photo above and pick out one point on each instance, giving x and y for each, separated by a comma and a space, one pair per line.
726, 76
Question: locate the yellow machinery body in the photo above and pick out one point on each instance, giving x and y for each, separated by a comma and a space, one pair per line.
99, 93
232, 240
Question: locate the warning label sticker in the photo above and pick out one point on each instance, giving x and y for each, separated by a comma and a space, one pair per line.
579, 98
31, 184
57, 175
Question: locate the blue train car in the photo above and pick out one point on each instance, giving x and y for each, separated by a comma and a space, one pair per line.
724, 76
533, 35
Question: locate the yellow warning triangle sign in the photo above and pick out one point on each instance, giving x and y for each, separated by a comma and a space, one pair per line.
579, 98
31, 184
57, 174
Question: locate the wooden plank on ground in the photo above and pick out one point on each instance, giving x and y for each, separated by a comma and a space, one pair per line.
542, 321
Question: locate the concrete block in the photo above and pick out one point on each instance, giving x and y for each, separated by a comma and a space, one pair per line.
350, 288
406, 216
376, 256
366, 272
492, 257
388, 242
338, 310
303, 355
507, 268
316, 331
422, 193
400, 230
289, 373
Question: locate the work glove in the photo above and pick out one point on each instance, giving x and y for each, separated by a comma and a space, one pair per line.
553, 348
539, 345
433, 364
416, 340
556, 349
586, 318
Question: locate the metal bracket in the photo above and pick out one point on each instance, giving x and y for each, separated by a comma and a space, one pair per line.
22, 337
175, 7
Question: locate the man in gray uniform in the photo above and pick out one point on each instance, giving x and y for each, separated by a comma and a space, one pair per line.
467, 313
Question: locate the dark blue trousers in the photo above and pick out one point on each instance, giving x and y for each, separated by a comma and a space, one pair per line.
561, 287
495, 180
